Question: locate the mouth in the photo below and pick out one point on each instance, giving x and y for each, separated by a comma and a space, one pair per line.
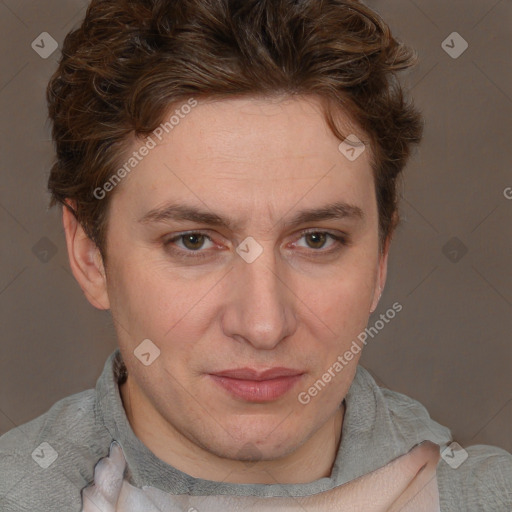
252, 385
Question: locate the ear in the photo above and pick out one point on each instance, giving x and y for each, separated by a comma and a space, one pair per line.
381, 275
85, 260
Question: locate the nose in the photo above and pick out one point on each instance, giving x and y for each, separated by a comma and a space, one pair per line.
261, 308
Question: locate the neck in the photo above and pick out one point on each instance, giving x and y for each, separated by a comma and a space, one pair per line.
312, 460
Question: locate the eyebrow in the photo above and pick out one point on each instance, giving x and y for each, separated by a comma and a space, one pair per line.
181, 212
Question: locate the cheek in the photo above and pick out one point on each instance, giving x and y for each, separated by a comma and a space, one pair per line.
140, 298
341, 299
150, 301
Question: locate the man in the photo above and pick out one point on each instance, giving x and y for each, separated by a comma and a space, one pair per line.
228, 175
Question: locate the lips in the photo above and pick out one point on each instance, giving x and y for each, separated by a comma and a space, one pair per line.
255, 375
252, 385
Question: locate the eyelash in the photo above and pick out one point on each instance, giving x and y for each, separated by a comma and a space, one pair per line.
341, 241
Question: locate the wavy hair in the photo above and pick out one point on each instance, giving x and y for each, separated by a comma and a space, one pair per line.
131, 60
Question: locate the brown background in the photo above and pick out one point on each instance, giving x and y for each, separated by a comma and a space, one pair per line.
450, 265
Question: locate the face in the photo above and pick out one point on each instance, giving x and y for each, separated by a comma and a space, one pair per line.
245, 241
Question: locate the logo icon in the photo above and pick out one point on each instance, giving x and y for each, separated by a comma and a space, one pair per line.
454, 250
352, 148
454, 455
147, 352
44, 455
454, 45
44, 45
44, 250
250, 454
249, 249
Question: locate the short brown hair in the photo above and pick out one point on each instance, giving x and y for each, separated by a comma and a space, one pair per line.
130, 60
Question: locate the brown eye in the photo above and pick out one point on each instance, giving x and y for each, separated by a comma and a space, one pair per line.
322, 243
193, 241
317, 240
189, 245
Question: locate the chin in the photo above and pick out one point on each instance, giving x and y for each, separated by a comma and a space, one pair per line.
253, 448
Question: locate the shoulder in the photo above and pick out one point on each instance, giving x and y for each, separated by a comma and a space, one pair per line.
45, 462
409, 414
407, 419
482, 481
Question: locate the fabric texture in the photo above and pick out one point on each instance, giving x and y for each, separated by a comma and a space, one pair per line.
50, 462
406, 484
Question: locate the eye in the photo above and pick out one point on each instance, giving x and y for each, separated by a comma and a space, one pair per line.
194, 244
193, 241
191, 244
317, 240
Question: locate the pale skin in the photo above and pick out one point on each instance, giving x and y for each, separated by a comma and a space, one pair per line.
300, 304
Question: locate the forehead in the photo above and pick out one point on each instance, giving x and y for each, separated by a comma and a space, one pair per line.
248, 153
255, 129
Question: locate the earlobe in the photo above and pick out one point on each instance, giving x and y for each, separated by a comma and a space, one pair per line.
85, 260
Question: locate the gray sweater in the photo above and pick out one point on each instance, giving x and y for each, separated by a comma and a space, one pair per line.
45, 463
